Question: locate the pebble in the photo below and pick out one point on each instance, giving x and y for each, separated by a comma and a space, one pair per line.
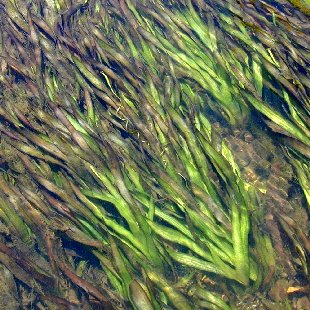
248, 137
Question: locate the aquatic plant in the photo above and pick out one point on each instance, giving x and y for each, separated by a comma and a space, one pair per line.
115, 150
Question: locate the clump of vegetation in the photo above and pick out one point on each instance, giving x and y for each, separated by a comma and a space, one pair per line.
116, 177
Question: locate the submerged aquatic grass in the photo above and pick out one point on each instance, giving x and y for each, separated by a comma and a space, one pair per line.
117, 143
